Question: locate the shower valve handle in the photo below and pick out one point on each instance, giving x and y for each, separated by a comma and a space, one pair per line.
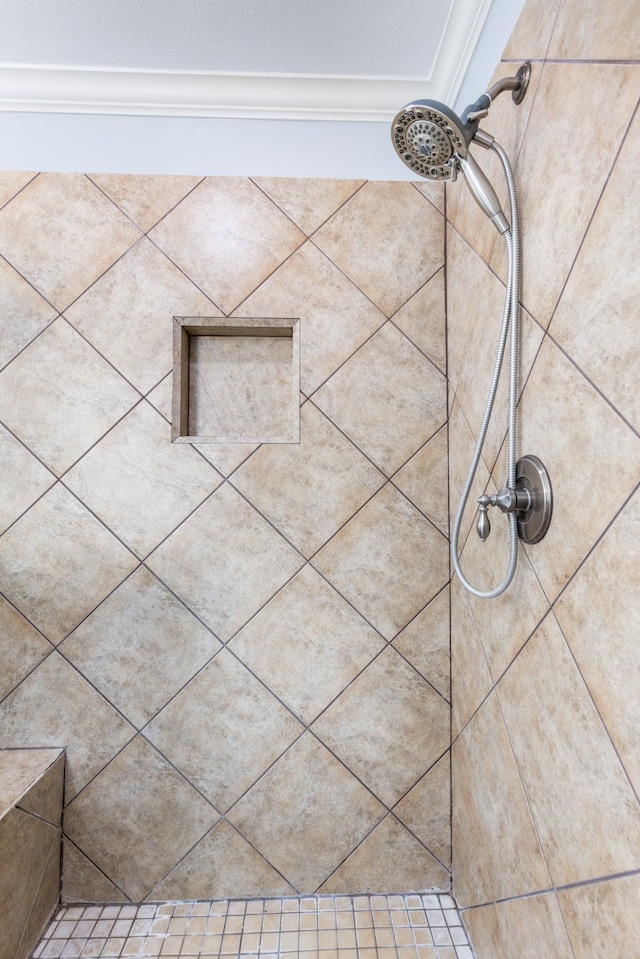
508, 500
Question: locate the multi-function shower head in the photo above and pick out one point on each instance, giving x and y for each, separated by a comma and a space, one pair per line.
434, 142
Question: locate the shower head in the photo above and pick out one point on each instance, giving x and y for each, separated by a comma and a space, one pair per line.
433, 142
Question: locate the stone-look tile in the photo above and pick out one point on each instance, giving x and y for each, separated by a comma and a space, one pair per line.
426, 811
226, 457
223, 730
389, 858
140, 646
226, 866
425, 643
599, 616
128, 314
139, 483
83, 882
532, 33
372, 561
594, 320
61, 233
309, 202
309, 490
137, 819
25, 843
373, 238
602, 918
20, 771
586, 432
228, 237
146, 199
423, 480
24, 313
55, 706
60, 562
593, 31
11, 182
21, 647
45, 795
434, 192
573, 778
388, 727
461, 452
568, 98
389, 399
307, 644
15, 498
45, 902
335, 317
325, 814
78, 396
423, 319
496, 852
527, 928
225, 562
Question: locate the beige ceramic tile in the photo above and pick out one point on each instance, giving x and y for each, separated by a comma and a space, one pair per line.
602, 917
227, 237
532, 32
222, 865
481, 925
461, 452
223, 730
137, 819
225, 562
423, 480
21, 647
60, 563
45, 902
470, 677
373, 238
434, 192
423, 320
25, 842
388, 727
426, 811
24, 313
79, 396
55, 706
20, 771
527, 928
372, 561
594, 320
128, 314
389, 858
594, 31
11, 182
572, 776
323, 812
495, 847
15, 498
139, 483
307, 644
568, 98
309, 490
44, 797
140, 647
598, 614
388, 414
425, 643
61, 233
335, 318
309, 202
83, 882
145, 198
568, 425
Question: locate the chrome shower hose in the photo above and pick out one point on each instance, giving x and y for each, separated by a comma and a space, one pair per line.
510, 321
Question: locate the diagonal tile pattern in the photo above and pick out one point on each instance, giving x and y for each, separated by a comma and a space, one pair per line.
165, 729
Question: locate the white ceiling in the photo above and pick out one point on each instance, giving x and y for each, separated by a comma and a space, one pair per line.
95, 65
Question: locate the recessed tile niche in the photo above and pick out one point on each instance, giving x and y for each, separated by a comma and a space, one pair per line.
236, 380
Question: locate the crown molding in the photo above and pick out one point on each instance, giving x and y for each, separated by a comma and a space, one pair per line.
41, 88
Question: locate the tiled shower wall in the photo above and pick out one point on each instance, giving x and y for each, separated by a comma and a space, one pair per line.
546, 773
245, 649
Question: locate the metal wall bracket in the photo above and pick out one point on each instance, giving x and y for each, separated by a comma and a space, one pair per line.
532, 476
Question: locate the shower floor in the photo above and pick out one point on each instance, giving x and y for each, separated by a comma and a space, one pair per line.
322, 927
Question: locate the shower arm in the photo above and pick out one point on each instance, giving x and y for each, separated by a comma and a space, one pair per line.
518, 86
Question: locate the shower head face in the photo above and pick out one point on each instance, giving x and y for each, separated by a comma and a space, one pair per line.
427, 135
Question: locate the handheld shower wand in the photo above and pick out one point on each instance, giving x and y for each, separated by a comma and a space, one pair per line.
434, 142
